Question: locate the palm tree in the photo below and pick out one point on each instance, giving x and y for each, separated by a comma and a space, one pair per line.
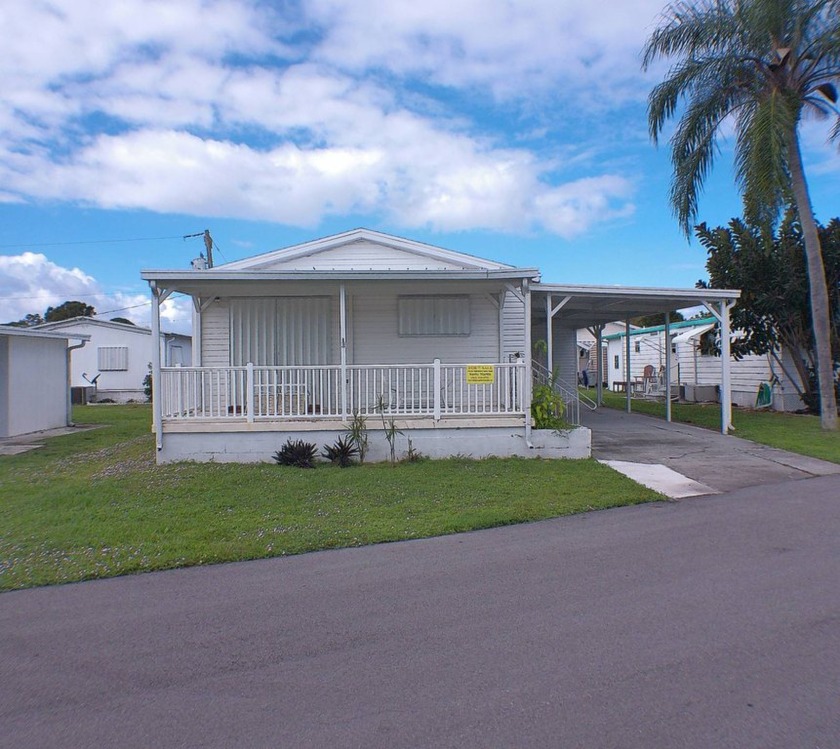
763, 65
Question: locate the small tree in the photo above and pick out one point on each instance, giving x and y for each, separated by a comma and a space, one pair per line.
68, 310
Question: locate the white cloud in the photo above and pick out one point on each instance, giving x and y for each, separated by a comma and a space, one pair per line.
30, 283
140, 105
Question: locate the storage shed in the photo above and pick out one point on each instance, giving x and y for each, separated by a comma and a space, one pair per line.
34, 379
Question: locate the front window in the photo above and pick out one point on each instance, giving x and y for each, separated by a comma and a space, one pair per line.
433, 315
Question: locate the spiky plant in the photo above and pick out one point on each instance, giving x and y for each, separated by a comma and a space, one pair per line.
297, 453
341, 452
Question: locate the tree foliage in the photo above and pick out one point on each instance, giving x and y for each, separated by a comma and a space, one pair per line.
27, 321
650, 321
774, 312
69, 310
761, 64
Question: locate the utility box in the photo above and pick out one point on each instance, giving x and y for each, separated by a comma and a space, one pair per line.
80, 396
700, 393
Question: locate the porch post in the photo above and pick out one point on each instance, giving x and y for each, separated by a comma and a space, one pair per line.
725, 378
549, 330
249, 392
157, 394
526, 386
599, 367
667, 366
436, 389
722, 315
342, 297
627, 364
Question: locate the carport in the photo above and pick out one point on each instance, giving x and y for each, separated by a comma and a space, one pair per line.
592, 307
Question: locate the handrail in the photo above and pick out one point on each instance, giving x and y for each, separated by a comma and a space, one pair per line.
570, 396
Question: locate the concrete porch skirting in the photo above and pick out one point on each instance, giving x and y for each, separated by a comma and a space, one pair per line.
258, 446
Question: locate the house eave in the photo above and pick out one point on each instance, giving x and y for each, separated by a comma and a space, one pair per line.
218, 274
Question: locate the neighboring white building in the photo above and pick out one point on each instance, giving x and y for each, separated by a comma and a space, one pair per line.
697, 374
116, 361
291, 343
588, 351
34, 388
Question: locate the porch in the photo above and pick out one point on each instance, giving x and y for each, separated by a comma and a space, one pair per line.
292, 394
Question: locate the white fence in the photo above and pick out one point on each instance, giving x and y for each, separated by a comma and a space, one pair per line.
331, 392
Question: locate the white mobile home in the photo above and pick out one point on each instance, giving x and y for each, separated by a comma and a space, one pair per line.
696, 371
115, 363
34, 379
293, 342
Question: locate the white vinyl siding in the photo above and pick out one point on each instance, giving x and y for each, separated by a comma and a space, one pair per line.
112, 358
365, 256
215, 335
513, 326
282, 331
433, 315
376, 340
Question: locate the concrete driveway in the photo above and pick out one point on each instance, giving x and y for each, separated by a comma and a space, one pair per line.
705, 623
716, 462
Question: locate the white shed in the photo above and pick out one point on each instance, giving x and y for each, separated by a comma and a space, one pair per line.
115, 363
34, 388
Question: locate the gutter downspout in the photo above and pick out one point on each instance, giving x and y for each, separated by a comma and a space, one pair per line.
70, 349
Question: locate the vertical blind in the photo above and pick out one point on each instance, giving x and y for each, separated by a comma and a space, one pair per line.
280, 331
433, 315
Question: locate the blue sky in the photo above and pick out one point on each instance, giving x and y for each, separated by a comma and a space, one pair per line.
514, 131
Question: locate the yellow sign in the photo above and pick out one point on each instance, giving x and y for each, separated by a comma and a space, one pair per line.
480, 374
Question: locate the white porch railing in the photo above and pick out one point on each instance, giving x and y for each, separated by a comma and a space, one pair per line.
255, 393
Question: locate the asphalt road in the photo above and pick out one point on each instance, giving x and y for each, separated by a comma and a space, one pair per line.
709, 622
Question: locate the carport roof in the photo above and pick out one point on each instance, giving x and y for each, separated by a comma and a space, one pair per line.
597, 305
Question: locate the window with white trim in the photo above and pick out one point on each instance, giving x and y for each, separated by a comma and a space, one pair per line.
433, 315
112, 358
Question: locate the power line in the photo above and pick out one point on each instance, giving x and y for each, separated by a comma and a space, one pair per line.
89, 241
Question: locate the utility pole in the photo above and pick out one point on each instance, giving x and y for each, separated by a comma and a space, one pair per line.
208, 243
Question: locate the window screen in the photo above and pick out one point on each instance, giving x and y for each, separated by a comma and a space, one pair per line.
112, 358
433, 315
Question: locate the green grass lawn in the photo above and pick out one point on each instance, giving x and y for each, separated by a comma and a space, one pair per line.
799, 433
93, 504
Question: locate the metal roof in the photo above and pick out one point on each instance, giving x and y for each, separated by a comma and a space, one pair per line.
29, 333
598, 305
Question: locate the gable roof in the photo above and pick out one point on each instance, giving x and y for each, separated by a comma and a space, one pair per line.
363, 249
9, 330
82, 321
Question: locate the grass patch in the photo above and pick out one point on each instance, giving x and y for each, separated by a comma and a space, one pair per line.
798, 433
93, 504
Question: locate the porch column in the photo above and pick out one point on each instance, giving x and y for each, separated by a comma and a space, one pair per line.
627, 364
342, 305
157, 395
526, 386
725, 376
722, 314
667, 366
549, 331
599, 367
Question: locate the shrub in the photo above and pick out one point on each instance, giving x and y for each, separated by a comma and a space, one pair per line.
547, 408
341, 453
297, 453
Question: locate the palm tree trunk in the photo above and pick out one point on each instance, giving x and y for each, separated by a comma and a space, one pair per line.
820, 318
